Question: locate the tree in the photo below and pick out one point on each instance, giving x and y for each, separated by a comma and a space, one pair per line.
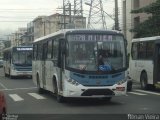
151, 26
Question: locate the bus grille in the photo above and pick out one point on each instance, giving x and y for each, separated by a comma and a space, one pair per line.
91, 92
24, 69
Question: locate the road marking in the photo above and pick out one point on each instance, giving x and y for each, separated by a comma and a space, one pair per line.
154, 93
16, 97
19, 89
37, 96
136, 93
3, 86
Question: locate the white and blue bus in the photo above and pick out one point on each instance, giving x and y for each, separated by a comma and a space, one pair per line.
17, 61
81, 63
145, 61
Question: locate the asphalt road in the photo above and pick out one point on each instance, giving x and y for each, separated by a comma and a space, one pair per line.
22, 98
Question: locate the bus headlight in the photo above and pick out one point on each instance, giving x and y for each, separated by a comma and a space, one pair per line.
122, 81
73, 82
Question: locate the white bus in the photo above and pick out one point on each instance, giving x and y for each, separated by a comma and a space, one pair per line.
17, 61
67, 63
145, 61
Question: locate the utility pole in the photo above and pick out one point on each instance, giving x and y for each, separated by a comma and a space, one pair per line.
70, 13
116, 16
67, 11
64, 13
78, 11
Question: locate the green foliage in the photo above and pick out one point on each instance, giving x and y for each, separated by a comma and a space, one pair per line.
151, 26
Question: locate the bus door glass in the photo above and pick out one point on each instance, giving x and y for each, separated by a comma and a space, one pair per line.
61, 60
44, 64
157, 63
133, 61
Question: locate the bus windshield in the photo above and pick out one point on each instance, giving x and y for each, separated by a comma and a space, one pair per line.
96, 52
22, 57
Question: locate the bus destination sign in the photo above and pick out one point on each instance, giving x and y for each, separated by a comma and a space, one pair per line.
91, 38
24, 49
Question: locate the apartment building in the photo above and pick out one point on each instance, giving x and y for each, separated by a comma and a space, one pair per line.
16, 38
30, 33
131, 20
44, 25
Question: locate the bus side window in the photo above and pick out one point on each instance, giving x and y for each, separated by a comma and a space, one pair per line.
134, 52
55, 51
49, 51
44, 55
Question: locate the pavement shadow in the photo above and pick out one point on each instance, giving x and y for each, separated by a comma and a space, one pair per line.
81, 102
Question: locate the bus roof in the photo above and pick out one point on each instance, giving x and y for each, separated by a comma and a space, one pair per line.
64, 31
146, 39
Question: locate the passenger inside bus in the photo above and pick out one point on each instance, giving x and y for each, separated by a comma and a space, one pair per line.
102, 56
103, 62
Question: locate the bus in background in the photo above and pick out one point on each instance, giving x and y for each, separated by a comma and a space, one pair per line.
145, 61
17, 61
81, 63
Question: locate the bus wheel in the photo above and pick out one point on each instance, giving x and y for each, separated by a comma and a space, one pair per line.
59, 98
129, 85
40, 90
5, 73
12, 77
143, 81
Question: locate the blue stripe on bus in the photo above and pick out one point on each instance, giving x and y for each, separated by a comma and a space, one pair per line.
97, 80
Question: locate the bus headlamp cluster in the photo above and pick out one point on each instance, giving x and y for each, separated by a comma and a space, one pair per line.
122, 81
73, 82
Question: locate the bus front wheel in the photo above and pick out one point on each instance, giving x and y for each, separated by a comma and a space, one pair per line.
59, 98
143, 81
40, 90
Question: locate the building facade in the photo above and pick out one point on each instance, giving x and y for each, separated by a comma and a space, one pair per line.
30, 33
131, 20
16, 38
44, 25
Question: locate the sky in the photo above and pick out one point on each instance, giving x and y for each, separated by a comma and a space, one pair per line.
17, 13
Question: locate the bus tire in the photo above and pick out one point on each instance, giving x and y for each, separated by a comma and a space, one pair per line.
129, 85
40, 90
59, 98
144, 81
12, 77
5, 73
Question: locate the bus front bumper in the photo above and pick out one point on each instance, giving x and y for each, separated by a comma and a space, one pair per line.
21, 73
95, 92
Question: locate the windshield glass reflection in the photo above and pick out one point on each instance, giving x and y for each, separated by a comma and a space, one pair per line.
96, 54
22, 58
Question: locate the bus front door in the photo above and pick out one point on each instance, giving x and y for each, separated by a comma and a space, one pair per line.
44, 65
156, 64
